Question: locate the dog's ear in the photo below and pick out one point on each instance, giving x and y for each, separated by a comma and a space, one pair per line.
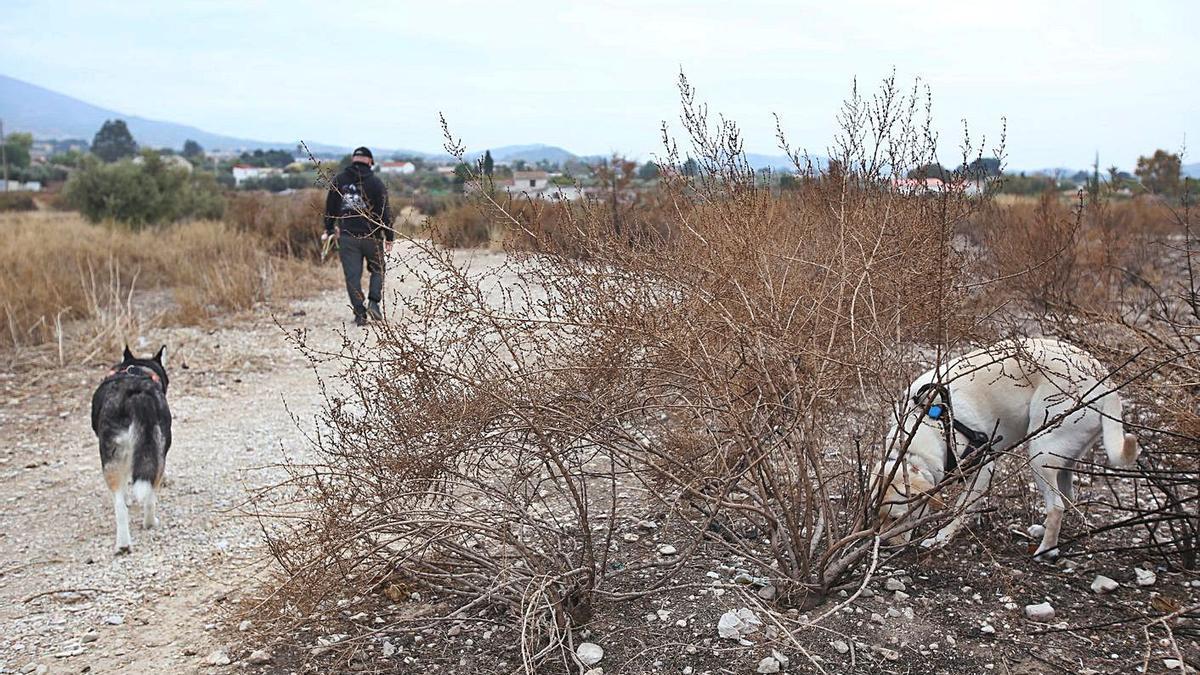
161, 356
128, 355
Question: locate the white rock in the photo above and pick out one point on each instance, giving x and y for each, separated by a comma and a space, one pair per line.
389, 649
987, 629
889, 654
114, 619
218, 658
666, 549
1040, 612
767, 592
595, 671
1144, 577
768, 665
1103, 584
1172, 664
783, 660
259, 657
647, 524
736, 625
1036, 530
901, 596
630, 537
245, 626
894, 584
589, 653
840, 646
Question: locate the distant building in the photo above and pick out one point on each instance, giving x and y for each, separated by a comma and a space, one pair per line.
18, 186
530, 181
243, 173
393, 168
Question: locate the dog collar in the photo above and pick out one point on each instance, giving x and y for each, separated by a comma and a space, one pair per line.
133, 371
940, 411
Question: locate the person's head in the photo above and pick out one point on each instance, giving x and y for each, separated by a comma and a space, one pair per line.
362, 155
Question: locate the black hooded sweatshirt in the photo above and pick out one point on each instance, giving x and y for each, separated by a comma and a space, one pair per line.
358, 204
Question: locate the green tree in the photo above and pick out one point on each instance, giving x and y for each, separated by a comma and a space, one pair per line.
145, 193
192, 149
648, 171
16, 149
930, 170
113, 141
691, 167
488, 164
1160, 173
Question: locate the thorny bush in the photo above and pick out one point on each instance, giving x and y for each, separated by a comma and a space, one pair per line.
720, 351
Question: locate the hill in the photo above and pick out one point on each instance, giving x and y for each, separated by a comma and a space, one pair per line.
50, 115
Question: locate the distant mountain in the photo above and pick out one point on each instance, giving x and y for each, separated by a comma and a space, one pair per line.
50, 115
1191, 170
530, 154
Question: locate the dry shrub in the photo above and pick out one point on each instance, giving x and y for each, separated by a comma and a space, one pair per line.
289, 224
720, 360
17, 201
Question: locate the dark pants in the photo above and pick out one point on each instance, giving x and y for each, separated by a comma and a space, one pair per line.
353, 251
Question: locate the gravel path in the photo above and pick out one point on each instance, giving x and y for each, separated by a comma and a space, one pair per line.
66, 603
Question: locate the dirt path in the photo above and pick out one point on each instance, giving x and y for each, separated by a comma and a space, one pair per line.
66, 603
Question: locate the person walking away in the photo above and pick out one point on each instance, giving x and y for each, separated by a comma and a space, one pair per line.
358, 215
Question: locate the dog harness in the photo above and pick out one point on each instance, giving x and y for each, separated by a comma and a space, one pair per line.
977, 441
132, 371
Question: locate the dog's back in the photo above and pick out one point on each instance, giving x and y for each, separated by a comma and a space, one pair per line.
132, 421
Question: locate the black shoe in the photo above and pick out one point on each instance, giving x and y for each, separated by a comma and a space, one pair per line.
360, 319
374, 311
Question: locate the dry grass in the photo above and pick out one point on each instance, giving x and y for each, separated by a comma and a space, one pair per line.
61, 278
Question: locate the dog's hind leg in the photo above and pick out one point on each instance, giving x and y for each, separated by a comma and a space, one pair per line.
1049, 477
124, 544
149, 499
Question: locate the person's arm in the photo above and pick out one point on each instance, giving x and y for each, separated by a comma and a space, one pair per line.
333, 207
389, 232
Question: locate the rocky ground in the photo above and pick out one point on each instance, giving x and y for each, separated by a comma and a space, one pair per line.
67, 604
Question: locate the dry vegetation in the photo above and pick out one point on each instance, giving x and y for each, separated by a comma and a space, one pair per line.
723, 356
67, 282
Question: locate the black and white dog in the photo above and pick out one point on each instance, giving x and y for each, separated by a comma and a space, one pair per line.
131, 418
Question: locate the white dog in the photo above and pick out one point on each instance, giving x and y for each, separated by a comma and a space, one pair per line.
1055, 394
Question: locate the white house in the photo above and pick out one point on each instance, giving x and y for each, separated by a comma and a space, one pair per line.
530, 181
242, 173
403, 168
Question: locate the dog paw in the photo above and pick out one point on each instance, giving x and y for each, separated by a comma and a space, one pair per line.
1046, 556
123, 550
150, 524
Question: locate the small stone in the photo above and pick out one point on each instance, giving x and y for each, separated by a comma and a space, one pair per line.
893, 613
889, 654
1172, 664
218, 658
867, 593
987, 629
1040, 612
876, 617
90, 636
894, 584
768, 665
840, 646
388, 650
589, 653
901, 596
245, 626
114, 619
630, 537
259, 657
647, 524
454, 631
666, 549
1144, 577
767, 592
1036, 531
1103, 584
778, 656
595, 671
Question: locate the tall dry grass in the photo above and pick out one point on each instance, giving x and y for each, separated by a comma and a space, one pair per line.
62, 278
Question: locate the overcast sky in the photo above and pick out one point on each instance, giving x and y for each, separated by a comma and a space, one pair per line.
1072, 78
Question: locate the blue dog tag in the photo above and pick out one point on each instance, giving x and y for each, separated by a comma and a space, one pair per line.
935, 411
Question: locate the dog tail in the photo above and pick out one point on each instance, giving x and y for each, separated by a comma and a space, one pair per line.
1121, 448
